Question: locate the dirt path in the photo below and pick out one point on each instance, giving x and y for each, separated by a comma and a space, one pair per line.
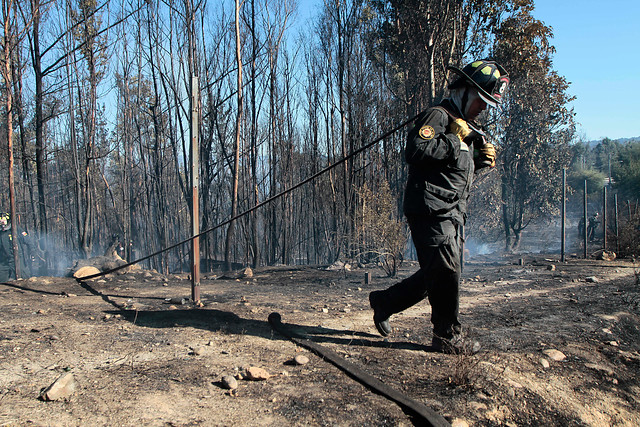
141, 360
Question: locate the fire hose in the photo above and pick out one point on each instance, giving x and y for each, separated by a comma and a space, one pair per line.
427, 415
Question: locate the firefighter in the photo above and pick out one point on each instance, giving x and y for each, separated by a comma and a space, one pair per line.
7, 262
594, 222
443, 150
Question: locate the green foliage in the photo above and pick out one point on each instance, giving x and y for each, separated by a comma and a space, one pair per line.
595, 180
626, 171
415, 40
537, 125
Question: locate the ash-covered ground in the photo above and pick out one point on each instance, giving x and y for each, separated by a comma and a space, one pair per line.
138, 356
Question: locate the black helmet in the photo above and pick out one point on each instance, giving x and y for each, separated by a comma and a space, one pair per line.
487, 76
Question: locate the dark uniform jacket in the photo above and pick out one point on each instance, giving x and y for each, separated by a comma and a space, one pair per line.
7, 263
440, 168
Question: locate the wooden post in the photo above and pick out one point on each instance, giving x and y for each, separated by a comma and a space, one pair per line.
367, 278
615, 213
604, 218
564, 216
584, 218
195, 181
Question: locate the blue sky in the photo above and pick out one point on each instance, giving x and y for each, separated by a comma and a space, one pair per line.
597, 50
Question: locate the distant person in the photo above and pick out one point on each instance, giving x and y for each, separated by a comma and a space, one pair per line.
594, 222
443, 150
7, 261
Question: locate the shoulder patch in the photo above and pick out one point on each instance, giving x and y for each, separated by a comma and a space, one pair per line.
463, 146
426, 132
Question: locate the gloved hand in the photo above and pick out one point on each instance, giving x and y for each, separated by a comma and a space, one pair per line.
486, 154
460, 128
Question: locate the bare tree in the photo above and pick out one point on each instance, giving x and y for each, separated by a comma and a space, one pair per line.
236, 147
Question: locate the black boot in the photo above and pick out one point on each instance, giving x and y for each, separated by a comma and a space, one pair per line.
380, 317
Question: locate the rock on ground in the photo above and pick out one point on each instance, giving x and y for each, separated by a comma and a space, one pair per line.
254, 373
62, 388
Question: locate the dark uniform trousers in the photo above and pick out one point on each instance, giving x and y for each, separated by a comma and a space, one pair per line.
438, 244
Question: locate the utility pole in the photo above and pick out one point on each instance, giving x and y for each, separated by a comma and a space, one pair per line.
195, 158
195, 181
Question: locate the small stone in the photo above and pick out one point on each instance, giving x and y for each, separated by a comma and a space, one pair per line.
551, 267
86, 271
545, 363
325, 310
458, 422
229, 382
613, 343
197, 351
254, 373
61, 388
556, 355
301, 359
592, 279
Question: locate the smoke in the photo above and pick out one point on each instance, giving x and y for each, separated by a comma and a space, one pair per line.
542, 237
52, 258
476, 248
